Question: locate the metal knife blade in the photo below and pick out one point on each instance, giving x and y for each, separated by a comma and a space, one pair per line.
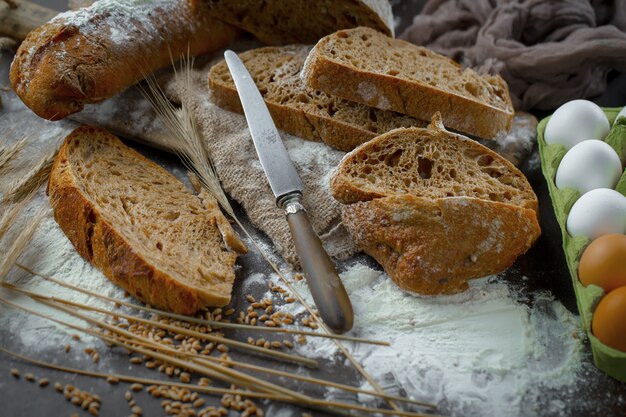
278, 167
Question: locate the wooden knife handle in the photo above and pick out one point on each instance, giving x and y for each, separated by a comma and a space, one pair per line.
326, 287
16, 23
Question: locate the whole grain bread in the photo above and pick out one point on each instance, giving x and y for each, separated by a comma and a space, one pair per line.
435, 209
301, 111
281, 22
366, 66
141, 226
91, 54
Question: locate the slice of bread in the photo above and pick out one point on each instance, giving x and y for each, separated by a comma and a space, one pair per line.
435, 209
301, 111
281, 22
141, 226
368, 67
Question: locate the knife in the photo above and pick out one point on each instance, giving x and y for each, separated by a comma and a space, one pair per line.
321, 276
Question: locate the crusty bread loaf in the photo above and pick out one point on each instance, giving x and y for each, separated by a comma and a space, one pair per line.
368, 67
280, 22
435, 208
91, 54
140, 225
298, 110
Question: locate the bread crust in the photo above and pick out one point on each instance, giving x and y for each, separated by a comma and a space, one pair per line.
97, 241
415, 99
279, 22
436, 246
91, 54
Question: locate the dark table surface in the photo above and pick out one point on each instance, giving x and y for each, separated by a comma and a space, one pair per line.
543, 266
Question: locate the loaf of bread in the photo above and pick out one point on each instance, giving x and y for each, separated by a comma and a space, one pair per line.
301, 111
366, 66
91, 54
435, 209
141, 226
282, 22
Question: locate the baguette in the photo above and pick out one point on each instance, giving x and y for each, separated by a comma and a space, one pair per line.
140, 226
281, 22
368, 67
91, 54
435, 209
298, 110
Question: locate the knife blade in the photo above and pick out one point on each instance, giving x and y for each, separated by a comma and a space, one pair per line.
326, 287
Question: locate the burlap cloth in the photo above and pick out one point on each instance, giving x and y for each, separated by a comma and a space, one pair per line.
548, 51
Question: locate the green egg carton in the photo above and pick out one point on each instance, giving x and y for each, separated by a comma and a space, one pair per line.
607, 359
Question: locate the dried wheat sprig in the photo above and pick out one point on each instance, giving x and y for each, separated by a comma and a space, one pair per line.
169, 327
307, 401
316, 381
8, 258
10, 215
214, 371
146, 381
169, 114
238, 364
31, 181
8, 152
195, 320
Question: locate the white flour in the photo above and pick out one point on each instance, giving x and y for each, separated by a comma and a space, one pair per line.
119, 15
473, 354
51, 253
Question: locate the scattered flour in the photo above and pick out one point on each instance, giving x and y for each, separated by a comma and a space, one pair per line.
473, 354
51, 253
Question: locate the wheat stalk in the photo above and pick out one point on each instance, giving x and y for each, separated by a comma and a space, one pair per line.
215, 324
146, 381
204, 357
31, 181
8, 152
8, 258
218, 372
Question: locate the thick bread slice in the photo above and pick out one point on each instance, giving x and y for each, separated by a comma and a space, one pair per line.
431, 163
368, 67
434, 208
281, 22
435, 246
298, 110
140, 225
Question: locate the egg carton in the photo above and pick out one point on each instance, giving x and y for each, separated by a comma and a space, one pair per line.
609, 360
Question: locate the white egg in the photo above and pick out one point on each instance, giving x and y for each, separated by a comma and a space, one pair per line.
575, 121
589, 165
599, 212
622, 113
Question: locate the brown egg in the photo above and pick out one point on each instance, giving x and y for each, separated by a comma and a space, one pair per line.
608, 323
604, 263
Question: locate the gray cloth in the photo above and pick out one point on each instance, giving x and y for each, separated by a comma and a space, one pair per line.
548, 51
